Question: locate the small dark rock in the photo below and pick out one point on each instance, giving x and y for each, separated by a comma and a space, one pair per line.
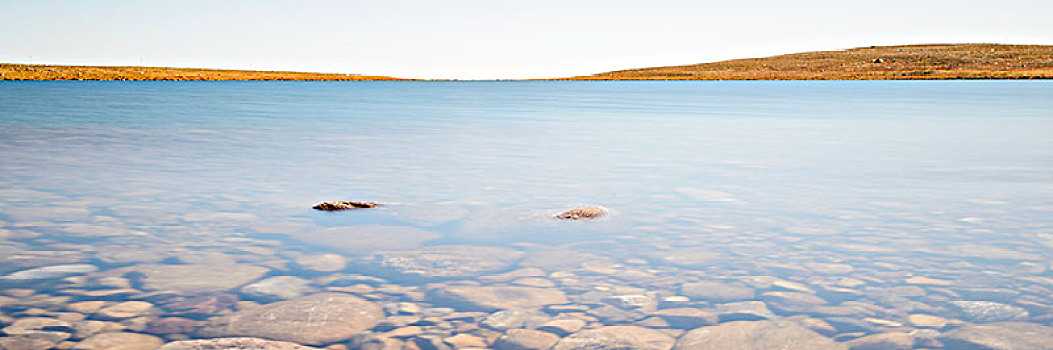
335, 206
582, 213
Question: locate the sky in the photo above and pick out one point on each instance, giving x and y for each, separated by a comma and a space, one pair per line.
487, 39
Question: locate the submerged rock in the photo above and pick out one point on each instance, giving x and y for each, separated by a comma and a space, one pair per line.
618, 338
448, 261
322, 262
345, 205
1001, 336
50, 272
201, 305
756, 335
525, 339
32, 341
193, 279
233, 344
717, 291
279, 287
314, 320
495, 297
583, 213
989, 311
508, 319
120, 341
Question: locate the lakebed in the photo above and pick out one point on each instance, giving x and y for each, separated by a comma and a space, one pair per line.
742, 215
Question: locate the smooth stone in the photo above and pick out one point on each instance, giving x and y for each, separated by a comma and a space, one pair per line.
476, 298
201, 305
744, 311
926, 281
233, 344
465, 340
193, 279
525, 339
632, 301
87, 328
616, 338
685, 257
717, 291
27, 325
32, 341
448, 261
322, 262
51, 272
126, 309
120, 341
830, 268
172, 325
927, 321
562, 327
989, 311
534, 282
687, 318
430, 342
1000, 336
313, 320
515, 318
756, 335
121, 256
882, 341
279, 287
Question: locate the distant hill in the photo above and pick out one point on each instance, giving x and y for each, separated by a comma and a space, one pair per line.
935, 61
10, 71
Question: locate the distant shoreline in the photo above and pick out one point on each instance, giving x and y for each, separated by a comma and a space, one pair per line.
908, 62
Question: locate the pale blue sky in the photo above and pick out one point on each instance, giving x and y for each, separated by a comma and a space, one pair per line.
487, 39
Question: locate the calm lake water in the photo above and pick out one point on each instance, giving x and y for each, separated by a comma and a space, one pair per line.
834, 214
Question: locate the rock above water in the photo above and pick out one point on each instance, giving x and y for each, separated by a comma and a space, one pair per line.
233, 344
120, 341
193, 279
448, 261
1000, 336
345, 205
280, 287
50, 272
756, 335
717, 291
496, 297
313, 320
989, 311
617, 338
582, 213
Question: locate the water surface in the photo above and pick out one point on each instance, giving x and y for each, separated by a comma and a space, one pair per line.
851, 207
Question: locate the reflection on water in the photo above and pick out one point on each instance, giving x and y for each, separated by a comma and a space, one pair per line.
829, 215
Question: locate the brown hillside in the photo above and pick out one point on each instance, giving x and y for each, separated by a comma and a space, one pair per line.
49, 72
937, 61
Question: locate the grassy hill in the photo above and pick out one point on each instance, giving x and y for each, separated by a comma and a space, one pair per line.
48, 72
936, 61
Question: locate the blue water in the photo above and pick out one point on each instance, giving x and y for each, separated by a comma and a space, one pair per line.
920, 175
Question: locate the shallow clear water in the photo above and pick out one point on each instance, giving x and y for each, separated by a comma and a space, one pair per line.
884, 200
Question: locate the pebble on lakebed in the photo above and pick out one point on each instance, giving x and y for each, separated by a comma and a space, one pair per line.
345, 205
583, 213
